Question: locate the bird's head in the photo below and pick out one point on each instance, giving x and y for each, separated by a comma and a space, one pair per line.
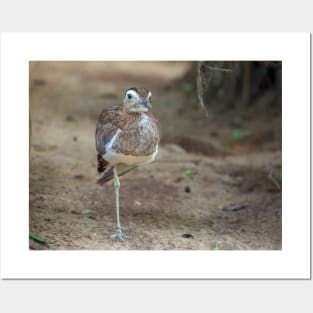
137, 99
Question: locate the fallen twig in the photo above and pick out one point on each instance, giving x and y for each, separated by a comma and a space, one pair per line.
274, 181
234, 208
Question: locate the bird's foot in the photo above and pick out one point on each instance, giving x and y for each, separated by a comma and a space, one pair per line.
119, 235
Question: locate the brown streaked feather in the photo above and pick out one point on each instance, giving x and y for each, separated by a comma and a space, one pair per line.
136, 138
107, 125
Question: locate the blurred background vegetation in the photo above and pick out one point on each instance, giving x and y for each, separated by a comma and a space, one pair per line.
244, 97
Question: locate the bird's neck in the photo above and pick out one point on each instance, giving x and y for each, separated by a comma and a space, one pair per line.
133, 117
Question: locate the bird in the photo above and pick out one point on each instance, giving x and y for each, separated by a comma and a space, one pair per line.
126, 137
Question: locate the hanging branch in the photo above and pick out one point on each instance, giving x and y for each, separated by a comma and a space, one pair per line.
203, 80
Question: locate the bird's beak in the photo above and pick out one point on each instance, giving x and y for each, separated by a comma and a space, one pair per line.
146, 103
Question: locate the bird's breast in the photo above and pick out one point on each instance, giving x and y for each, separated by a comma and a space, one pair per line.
135, 142
138, 137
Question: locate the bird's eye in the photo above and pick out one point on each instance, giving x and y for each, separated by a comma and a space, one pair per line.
129, 96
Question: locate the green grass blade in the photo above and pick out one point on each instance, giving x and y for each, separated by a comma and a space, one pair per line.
37, 238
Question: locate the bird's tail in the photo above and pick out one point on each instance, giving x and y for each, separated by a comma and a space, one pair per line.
122, 169
102, 163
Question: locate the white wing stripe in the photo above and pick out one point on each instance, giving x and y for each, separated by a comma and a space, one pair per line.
108, 146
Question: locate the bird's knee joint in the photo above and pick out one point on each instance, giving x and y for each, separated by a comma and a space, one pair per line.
116, 184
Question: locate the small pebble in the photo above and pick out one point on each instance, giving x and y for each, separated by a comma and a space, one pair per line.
214, 133
187, 236
39, 82
79, 177
69, 118
92, 217
178, 179
187, 189
74, 138
225, 220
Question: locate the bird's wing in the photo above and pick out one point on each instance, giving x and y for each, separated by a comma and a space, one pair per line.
107, 126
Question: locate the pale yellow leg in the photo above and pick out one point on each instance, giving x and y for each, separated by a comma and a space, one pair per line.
118, 234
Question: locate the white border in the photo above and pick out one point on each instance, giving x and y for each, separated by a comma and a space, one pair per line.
18, 262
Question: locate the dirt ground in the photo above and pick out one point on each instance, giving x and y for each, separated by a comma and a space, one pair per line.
206, 190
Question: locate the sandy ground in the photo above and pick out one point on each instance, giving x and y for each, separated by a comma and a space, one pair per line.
203, 192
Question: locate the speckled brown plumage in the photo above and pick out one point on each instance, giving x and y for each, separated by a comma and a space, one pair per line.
108, 123
135, 138
128, 133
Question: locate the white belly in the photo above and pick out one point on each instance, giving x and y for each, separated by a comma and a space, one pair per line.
115, 158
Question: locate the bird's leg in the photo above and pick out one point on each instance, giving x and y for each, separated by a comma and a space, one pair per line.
118, 234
